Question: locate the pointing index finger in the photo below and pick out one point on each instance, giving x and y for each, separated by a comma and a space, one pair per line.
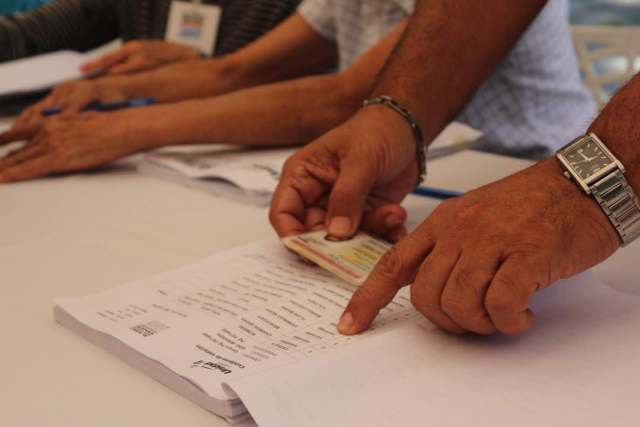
395, 270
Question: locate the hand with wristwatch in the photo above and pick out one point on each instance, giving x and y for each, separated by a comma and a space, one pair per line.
475, 263
600, 174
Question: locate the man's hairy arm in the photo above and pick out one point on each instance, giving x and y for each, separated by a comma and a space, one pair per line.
618, 125
448, 51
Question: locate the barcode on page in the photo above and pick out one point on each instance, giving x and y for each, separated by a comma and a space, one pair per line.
149, 328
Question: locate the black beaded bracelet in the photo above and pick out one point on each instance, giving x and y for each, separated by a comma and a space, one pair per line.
421, 149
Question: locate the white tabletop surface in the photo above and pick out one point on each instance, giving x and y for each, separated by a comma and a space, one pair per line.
81, 234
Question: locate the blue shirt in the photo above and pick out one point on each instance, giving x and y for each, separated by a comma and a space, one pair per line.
535, 98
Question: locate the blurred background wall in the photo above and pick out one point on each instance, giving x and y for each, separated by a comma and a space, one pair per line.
605, 12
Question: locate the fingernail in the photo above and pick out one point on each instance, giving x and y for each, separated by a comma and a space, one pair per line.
345, 325
340, 226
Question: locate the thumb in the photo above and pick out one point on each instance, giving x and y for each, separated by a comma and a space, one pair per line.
346, 202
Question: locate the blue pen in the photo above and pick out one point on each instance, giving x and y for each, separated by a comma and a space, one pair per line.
106, 106
436, 193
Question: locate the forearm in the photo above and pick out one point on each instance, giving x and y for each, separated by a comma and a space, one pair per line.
179, 81
289, 113
448, 51
279, 55
618, 126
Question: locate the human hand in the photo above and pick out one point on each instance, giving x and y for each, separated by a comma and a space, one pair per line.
477, 261
71, 97
352, 177
140, 55
71, 143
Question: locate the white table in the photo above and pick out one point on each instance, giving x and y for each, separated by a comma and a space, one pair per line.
82, 234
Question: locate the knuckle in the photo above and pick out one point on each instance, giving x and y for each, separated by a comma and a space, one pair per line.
416, 239
391, 265
421, 301
292, 164
363, 294
298, 176
463, 280
499, 303
466, 312
288, 165
454, 305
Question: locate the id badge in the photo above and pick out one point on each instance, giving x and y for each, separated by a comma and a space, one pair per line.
194, 24
351, 260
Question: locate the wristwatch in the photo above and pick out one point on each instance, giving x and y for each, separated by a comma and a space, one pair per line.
588, 162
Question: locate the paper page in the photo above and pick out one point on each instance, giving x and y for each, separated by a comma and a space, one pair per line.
40, 72
255, 171
578, 367
455, 133
235, 314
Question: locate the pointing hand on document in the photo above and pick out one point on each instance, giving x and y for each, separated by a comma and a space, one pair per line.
353, 177
476, 262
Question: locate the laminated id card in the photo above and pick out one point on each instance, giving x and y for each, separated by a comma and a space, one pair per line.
194, 24
351, 260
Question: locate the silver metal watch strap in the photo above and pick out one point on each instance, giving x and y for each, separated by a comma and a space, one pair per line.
619, 202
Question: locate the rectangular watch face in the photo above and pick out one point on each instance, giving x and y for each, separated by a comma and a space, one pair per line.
587, 159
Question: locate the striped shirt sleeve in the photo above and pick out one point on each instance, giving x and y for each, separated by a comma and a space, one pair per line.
61, 24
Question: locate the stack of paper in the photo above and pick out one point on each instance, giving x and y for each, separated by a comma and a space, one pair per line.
235, 314
251, 176
252, 331
244, 175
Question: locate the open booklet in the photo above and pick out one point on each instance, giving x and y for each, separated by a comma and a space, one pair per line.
252, 331
252, 175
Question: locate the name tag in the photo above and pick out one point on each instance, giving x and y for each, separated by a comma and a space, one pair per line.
194, 24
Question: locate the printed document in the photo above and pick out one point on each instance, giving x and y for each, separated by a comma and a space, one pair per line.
250, 334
